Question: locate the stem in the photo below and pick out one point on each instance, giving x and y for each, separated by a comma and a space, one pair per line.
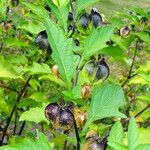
65, 145
22, 127
143, 110
77, 72
76, 131
131, 67
15, 123
14, 108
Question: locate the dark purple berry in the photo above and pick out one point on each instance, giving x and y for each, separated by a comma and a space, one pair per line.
84, 20
52, 111
103, 70
70, 16
144, 21
47, 7
96, 18
65, 118
42, 41
14, 2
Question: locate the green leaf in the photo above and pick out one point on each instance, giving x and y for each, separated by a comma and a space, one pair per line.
132, 135
144, 36
82, 4
34, 115
3, 6
115, 139
38, 10
52, 78
61, 13
114, 51
60, 3
41, 143
14, 42
39, 69
32, 27
105, 103
62, 51
97, 41
39, 97
6, 70
143, 147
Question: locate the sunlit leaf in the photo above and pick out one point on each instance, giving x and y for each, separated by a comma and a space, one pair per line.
40, 143
62, 51
133, 135
105, 102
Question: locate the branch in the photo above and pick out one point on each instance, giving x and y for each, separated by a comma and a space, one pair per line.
131, 67
22, 127
76, 131
143, 110
14, 108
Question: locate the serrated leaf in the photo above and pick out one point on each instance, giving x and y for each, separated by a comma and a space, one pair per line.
61, 13
115, 138
82, 4
114, 51
14, 42
37, 68
132, 135
6, 70
38, 10
32, 27
97, 41
3, 6
52, 78
144, 36
39, 97
62, 51
60, 3
41, 143
105, 102
34, 115
143, 147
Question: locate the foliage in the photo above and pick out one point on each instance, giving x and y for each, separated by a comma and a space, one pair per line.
91, 76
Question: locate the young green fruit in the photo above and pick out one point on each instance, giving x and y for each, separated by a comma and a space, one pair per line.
84, 20
96, 18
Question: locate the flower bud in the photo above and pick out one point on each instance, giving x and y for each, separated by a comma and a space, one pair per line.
86, 91
55, 71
